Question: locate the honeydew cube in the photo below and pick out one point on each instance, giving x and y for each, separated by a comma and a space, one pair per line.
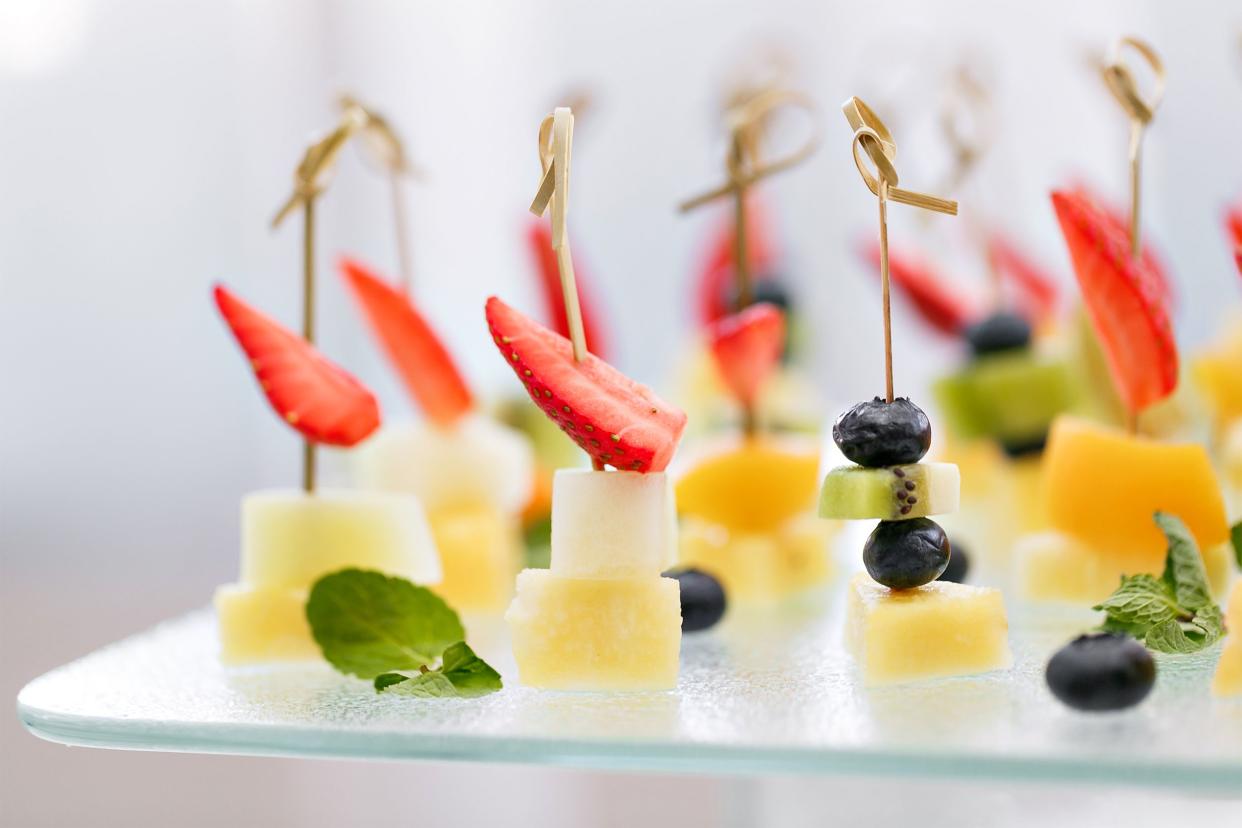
263, 623
612, 524
480, 553
1102, 486
754, 486
891, 492
760, 567
291, 538
595, 633
1228, 678
477, 460
1054, 566
941, 629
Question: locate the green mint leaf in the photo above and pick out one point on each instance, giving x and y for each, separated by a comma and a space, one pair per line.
1169, 637
1207, 626
1141, 602
1235, 535
368, 624
1183, 565
461, 674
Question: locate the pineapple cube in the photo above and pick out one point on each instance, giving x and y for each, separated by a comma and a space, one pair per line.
761, 567
477, 460
291, 538
1228, 678
612, 524
752, 487
1053, 566
941, 629
480, 553
263, 623
596, 634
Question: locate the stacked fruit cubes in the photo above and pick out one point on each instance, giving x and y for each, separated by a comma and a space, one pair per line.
902, 626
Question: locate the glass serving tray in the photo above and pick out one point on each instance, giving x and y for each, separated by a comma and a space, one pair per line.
766, 691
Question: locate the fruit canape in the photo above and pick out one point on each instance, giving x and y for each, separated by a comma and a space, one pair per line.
601, 617
747, 504
901, 624
291, 538
1102, 484
472, 474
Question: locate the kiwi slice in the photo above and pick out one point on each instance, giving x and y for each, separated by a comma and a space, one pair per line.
891, 492
1009, 397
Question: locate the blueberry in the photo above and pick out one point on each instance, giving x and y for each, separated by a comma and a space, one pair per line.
903, 554
1103, 671
1024, 448
878, 433
702, 598
768, 289
959, 564
998, 332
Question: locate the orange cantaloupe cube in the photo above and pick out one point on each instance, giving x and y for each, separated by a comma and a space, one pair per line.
754, 486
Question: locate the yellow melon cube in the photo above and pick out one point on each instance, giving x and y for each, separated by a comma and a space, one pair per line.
754, 486
1218, 371
1228, 678
595, 634
1053, 566
941, 629
760, 567
480, 555
260, 624
291, 538
1102, 486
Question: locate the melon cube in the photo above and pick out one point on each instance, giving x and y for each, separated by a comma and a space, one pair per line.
480, 553
612, 524
1218, 372
263, 623
1228, 678
891, 492
291, 538
752, 487
1102, 486
760, 567
595, 633
476, 460
941, 629
1054, 566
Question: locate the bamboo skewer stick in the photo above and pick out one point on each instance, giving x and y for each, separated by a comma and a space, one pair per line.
872, 138
310, 180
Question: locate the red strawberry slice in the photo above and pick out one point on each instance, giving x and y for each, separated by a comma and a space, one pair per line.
317, 397
1233, 220
1037, 290
940, 305
421, 360
614, 419
716, 273
1120, 222
747, 347
540, 239
1125, 300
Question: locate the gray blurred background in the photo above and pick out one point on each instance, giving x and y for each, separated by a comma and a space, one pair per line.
145, 145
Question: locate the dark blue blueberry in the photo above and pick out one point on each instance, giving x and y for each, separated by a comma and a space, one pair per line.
878, 433
702, 598
998, 332
1102, 671
959, 564
904, 554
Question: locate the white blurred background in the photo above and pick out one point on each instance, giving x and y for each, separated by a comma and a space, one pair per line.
145, 145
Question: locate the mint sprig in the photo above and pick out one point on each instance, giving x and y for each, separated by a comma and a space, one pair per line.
374, 626
1235, 536
461, 674
1175, 612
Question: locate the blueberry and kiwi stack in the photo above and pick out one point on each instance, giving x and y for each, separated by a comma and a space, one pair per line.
1101, 672
1007, 392
887, 440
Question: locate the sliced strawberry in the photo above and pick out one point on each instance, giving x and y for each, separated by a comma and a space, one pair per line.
941, 306
1120, 222
1125, 300
614, 419
421, 360
747, 347
540, 239
315, 396
1233, 220
1037, 290
716, 274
